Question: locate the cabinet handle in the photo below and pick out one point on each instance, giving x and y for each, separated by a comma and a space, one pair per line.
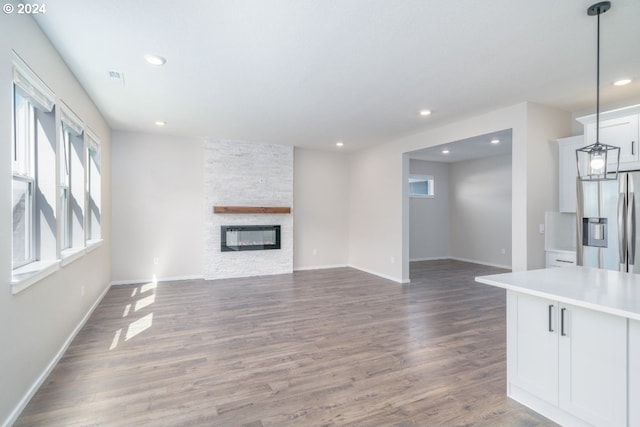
564, 260
562, 310
550, 317
633, 147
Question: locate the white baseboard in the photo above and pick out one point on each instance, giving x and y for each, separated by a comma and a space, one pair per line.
438, 258
489, 264
161, 279
13, 416
375, 273
320, 267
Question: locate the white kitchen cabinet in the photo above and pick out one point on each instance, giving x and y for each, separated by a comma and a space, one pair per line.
593, 366
572, 359
561, 259
568, 172
634, 372
619, 128
532, 345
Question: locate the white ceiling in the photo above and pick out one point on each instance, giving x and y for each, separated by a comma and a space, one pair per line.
312, 72
467, 149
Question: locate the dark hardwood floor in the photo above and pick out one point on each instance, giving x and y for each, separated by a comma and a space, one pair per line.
314, 348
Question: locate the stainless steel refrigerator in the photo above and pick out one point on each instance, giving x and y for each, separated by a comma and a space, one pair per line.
606, 223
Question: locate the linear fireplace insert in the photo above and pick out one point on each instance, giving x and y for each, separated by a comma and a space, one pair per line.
249, 237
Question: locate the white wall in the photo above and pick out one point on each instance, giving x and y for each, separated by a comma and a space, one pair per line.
377, 195
321, 221
544, 126
430, 217
378, 209
158, 210
36, 323
481, 210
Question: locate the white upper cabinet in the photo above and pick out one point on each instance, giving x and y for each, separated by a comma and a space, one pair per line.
619, 128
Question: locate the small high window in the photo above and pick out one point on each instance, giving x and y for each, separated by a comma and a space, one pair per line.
421, 186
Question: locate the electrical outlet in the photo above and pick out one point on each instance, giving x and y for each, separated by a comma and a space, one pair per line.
81, 290
315, 251
503, 251
392, 260
156, 261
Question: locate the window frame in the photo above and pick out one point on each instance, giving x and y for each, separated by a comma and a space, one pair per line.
71, 132
30, 223
23, 170
65, 190
35, 163
93, 231
430, 194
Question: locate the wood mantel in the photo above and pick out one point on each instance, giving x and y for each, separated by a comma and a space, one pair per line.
251, 210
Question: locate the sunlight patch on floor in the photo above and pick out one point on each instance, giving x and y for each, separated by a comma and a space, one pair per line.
139, 326
116, 338
145, 302
142, 324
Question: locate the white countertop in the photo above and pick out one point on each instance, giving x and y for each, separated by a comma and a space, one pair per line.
601, 290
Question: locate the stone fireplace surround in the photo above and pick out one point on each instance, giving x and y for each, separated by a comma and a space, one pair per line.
240, 173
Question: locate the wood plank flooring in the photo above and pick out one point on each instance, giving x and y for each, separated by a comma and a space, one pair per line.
332, 347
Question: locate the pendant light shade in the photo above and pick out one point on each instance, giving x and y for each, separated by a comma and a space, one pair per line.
598, 162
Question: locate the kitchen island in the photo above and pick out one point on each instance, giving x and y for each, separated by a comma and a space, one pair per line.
573, 343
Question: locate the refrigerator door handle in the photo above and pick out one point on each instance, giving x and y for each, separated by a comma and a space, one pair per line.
579, 212
631, 229
622, 211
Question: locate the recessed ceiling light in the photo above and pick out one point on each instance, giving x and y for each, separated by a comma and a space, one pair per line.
155, 60
425, 113
495, 141
339, 144
622, 82
445, 151
160, 123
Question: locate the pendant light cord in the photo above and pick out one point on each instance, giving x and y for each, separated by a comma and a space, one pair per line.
598, 83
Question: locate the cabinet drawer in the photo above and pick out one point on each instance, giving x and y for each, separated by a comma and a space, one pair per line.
560, 259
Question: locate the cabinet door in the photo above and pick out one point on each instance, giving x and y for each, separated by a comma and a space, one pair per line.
593, 366
634, 373
568, 172
532, 345
621, 132
560, 259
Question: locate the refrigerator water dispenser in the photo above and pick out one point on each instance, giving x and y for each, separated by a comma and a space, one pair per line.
594, 232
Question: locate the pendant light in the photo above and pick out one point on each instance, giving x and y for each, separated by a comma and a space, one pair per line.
598, 162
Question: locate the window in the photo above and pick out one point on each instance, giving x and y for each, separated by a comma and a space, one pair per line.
71, 181
93, 188
421, 186
23, 180
65, 196
33, 170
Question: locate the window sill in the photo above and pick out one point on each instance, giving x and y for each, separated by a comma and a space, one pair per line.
94, 244
71, 254
26, 276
